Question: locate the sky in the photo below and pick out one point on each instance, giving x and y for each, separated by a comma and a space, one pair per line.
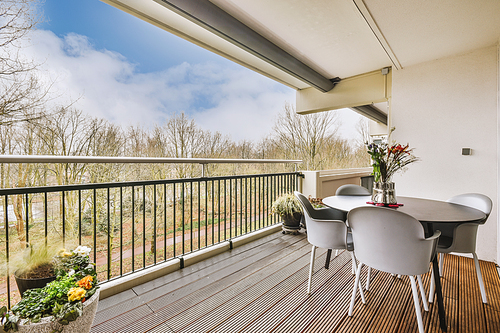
115, 66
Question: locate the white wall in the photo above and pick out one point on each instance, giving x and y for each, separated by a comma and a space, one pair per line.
498, 150
439, 107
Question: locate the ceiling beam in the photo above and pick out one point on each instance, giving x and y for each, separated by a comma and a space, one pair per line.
371, 112
209, 16
355, 91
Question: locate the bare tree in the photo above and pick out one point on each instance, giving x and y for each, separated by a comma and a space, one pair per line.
21, 92
17, 18
25, 138
136, 141
6, 148
305, 136
184, 140
69, 133
363, 130
108, 140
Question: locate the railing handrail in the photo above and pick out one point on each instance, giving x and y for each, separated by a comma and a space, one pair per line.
90, 186
119, 159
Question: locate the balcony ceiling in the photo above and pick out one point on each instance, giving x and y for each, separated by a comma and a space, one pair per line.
338, 38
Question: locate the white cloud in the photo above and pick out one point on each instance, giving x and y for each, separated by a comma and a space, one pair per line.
228, 99
220, 96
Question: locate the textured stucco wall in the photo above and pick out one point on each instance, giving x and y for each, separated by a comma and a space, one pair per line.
439, 107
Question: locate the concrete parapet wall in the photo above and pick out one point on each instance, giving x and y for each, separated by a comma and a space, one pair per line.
321, 184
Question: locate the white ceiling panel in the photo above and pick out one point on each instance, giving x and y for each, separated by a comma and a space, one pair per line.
340, 38
424, 30
330, 36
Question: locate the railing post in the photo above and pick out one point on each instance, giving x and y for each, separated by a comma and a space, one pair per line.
203, 169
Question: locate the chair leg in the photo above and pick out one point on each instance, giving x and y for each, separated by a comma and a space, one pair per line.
441, 263
422, 293
480, 278
417, 305
311, 268
356, 283
368, 279
353, 263
432, 288
353, 259
328, 258
336, 252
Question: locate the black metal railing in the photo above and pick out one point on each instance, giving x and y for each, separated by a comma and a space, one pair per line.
131, 226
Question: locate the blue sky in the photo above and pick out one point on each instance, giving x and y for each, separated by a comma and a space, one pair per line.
145, 45
130, 72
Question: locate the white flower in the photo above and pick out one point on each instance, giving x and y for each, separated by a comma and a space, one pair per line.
82, 250
71, 272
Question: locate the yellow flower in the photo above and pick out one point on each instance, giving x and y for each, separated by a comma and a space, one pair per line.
86, 282
76, 294
64, 253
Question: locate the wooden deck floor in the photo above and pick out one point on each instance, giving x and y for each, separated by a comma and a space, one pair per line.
261, 287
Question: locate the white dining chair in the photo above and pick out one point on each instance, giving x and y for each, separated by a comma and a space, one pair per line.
392, 242
356, 190
326, 229
352, 189
461, 238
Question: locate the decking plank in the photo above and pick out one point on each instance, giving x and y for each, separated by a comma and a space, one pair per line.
450, 281
335, 312
290, 312
179, 307
178, 288
470, 298
492, 285
394, 304
208, 266
284, 279
261, 287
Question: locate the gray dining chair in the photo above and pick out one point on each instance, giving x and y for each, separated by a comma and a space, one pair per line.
351, 189
461, 238
326, 229
392, 242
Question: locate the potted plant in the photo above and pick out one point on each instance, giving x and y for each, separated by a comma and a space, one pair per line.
67, 304
316, 202
34, 267
288, 207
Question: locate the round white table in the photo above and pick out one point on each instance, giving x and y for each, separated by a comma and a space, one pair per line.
428, 212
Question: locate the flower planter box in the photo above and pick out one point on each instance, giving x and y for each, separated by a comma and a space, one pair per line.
81, 325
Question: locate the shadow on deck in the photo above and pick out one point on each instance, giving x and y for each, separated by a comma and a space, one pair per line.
261, 287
